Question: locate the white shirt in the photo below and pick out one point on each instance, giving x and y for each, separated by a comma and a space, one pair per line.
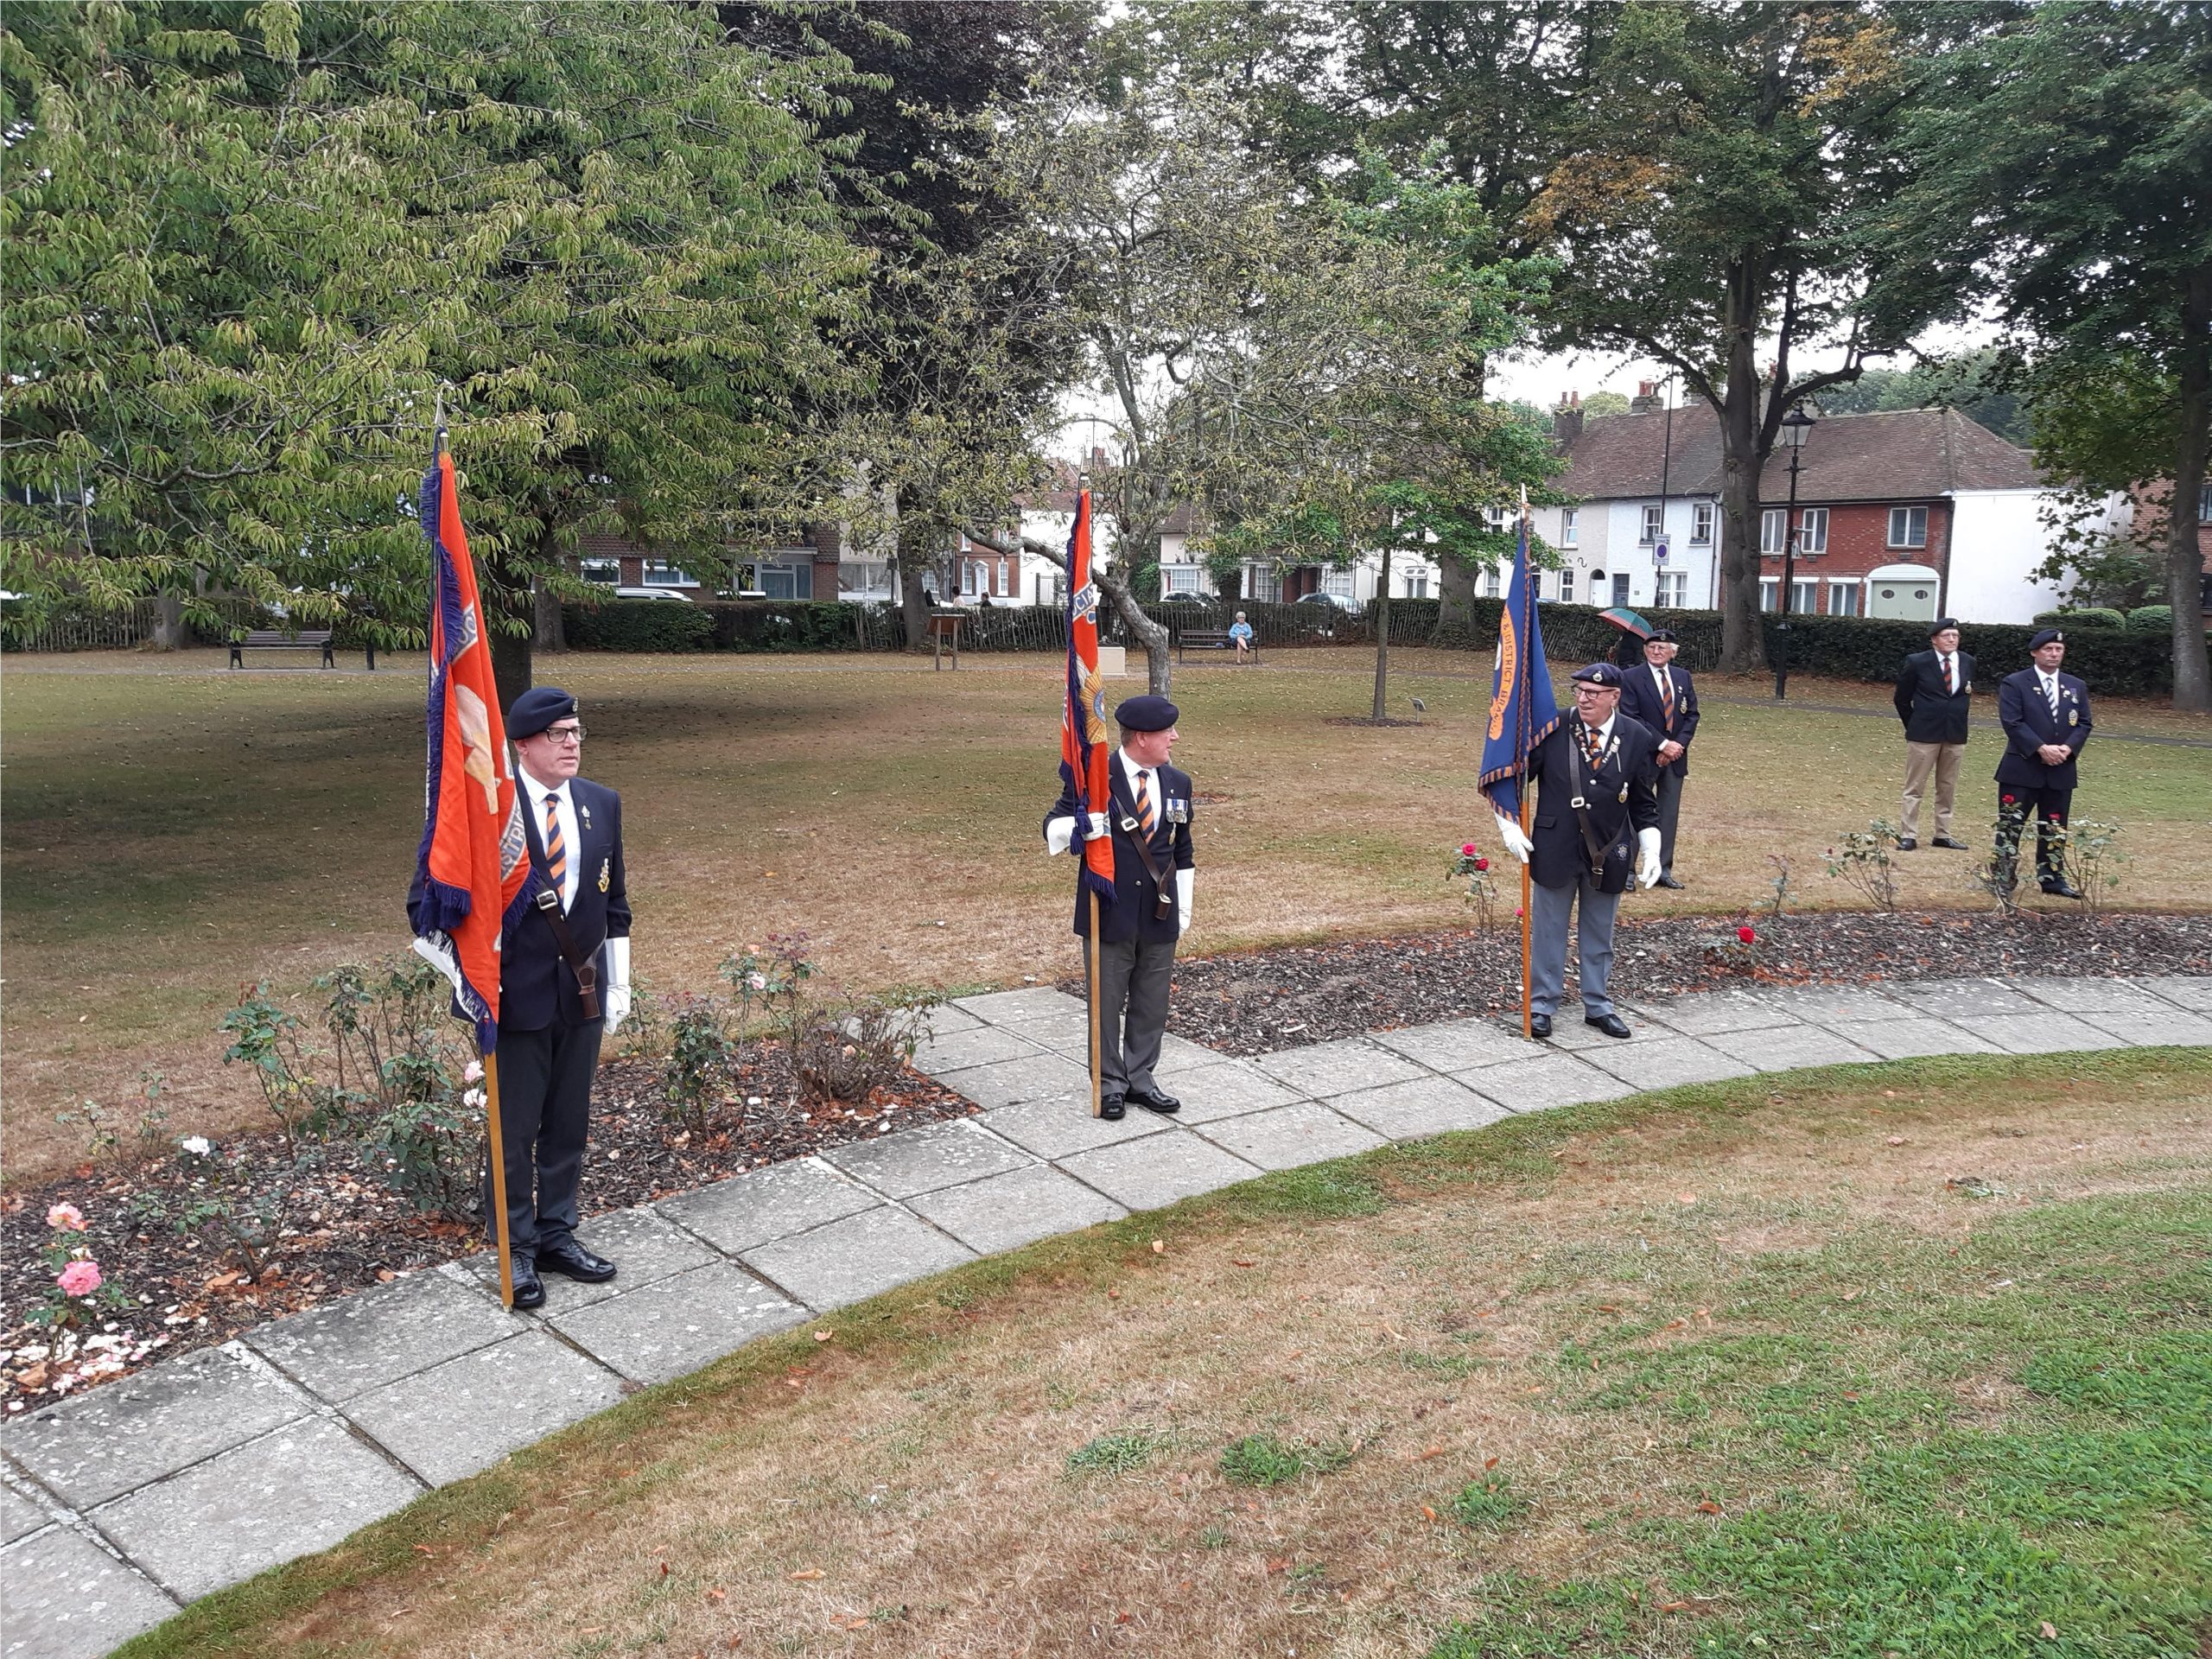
1605, 732
1141, 787
2050, 684
571, 838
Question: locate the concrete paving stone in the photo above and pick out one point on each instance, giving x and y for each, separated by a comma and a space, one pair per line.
673, 1326
1001, 1212
1052, 1129
466, 1414
2092, 996
1455, 1044
1909, 1039
1946, 999
363, 1341
1571, 1033
979, 1045
69, 1598
1225, 1088
287, 1494
1158, 1170
1829, 1004
1044, 1076
1788, 1047
1543, 1081
2171, 1028
947, 1018
2192, 991
921, 1160
1706, 1013
2045, 1032
1018, 1008
1666, 1063
139, 1428
19, 1516
1176, 1053
861, 1256
642, 1245
764, 1203
1336, 1067
1426, 1106
1290, 1137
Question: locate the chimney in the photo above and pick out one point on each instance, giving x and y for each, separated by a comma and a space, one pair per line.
1097, 457
1567, 421
1646, 401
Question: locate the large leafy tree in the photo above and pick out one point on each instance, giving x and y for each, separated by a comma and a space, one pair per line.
2067, 159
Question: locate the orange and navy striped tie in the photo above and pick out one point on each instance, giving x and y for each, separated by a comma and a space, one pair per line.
1144, 804
556, 849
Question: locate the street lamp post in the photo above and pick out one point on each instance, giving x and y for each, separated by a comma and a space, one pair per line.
1795, 425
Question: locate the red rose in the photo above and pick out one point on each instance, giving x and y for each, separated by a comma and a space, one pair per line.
1468, 851
1747, 934
1482, 863
2011, 800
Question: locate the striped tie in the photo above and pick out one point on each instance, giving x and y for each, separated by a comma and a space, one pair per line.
1591, 750
556, 849
1667, 698
1144, 804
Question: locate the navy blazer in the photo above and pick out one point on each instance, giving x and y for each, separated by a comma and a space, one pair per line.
1622, 794
2028, 724
1135, 914
1640, 702
1932, 712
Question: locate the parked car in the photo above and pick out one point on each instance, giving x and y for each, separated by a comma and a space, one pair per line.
1196, 601
1334, 601
652, 593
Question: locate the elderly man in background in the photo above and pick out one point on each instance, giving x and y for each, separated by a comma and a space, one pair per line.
1935, 689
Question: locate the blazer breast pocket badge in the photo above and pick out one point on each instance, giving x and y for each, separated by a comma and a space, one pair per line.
2073, 716
605, 867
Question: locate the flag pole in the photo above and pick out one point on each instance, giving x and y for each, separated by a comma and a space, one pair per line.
1521, 733
1097, 1050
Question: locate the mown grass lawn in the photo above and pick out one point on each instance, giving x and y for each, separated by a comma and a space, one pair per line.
170, 830
1909, 1359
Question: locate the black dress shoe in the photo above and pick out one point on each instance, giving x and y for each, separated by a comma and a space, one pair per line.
1906, 844
1611, 1024
1669, 881
529, 1289
1154, 1101
1955, 846
1109, 1108
1540, 1025
572, 1261
2062, 888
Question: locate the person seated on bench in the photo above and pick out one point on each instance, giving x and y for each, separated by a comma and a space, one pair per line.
1240, 635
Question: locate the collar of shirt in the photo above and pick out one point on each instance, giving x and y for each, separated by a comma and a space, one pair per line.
570, 833
1604, 731
1129, 771
2048, 682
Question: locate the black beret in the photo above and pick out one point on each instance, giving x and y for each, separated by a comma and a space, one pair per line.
1940, 625
1660, 636
538, 707
1599, 674
1147, 714
2046, 637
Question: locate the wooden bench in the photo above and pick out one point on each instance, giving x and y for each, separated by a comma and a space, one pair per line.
1210, 639
278, 639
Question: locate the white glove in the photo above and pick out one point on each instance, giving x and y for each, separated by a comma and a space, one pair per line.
1184, 880
1059, 836
1516, 842
1099, 828
1647, 863
614, 1000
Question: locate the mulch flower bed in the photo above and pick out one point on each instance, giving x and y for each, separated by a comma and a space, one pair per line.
183, 1293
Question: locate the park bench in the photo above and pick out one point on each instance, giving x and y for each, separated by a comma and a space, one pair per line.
278, 639
1209, 639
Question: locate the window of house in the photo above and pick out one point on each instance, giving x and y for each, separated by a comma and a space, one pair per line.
1812, 530
786, 581
1908, 526
1536, 583
1178, 578
1769, 593
1566, 586
1570, 527
1620, 588
660, 574
859, 576
607, 570
2204, 505
1774, 528
1671, 587
1491, 582
1804, 597
1701, 524
1843, 599
1417, 584
1649, 533
1338, 581
1263, 582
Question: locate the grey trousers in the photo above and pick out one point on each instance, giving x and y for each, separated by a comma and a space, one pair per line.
1670, 809
1549, 911
1132, 1012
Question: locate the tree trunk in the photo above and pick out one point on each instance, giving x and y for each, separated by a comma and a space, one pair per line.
2185, 565
510, 663
1455, 603
913, 575
1743, 638
1149, 634
551, 632
169, 622
1382, 637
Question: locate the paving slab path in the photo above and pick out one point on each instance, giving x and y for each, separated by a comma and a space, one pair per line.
121, 1505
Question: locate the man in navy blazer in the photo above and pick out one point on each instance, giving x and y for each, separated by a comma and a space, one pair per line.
1149, 820
2045, 714
1660, 697
1934, 699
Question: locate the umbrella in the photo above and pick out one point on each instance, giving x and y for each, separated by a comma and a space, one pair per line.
1627, 621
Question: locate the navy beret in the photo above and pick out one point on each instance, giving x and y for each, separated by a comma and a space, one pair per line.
538, 707
1660, 636
1146, 713
1599, 674
1941, 624
2046, 637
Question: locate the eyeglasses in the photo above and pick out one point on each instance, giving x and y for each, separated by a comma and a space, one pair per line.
561, 736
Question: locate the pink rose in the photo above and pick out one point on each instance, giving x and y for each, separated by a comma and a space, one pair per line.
1746, 934
472, 1072
66, 1218
79, 1278
1482, 863
1467, 851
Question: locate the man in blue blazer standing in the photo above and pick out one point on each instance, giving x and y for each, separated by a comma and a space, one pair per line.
2045, 714
1149, 819
564, 981
1660, 697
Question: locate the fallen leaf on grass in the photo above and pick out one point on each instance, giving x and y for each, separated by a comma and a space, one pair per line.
824, 1336
1158, 1247
1121, 1618
1685, 1197
1672, 1607
1708, 1508
424, 1550
1490, 1463
663, 1569
1430, 1513
1854, 1293
1897, 1139
717, 1595
809, 1573
1241, 1262
1423, 1457
2048, 1632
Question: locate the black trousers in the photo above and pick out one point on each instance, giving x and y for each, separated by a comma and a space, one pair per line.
544, 1106
2015, 803
1670, 814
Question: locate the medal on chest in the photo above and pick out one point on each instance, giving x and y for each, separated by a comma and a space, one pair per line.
605, 866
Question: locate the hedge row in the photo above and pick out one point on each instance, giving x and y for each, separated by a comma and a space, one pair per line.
644, 625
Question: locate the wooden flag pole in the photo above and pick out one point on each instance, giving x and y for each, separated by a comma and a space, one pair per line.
1527, 922
1528, 784
498, 1179
1098, 1056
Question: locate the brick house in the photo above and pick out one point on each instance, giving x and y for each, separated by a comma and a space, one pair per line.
802, 569
1903, 512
